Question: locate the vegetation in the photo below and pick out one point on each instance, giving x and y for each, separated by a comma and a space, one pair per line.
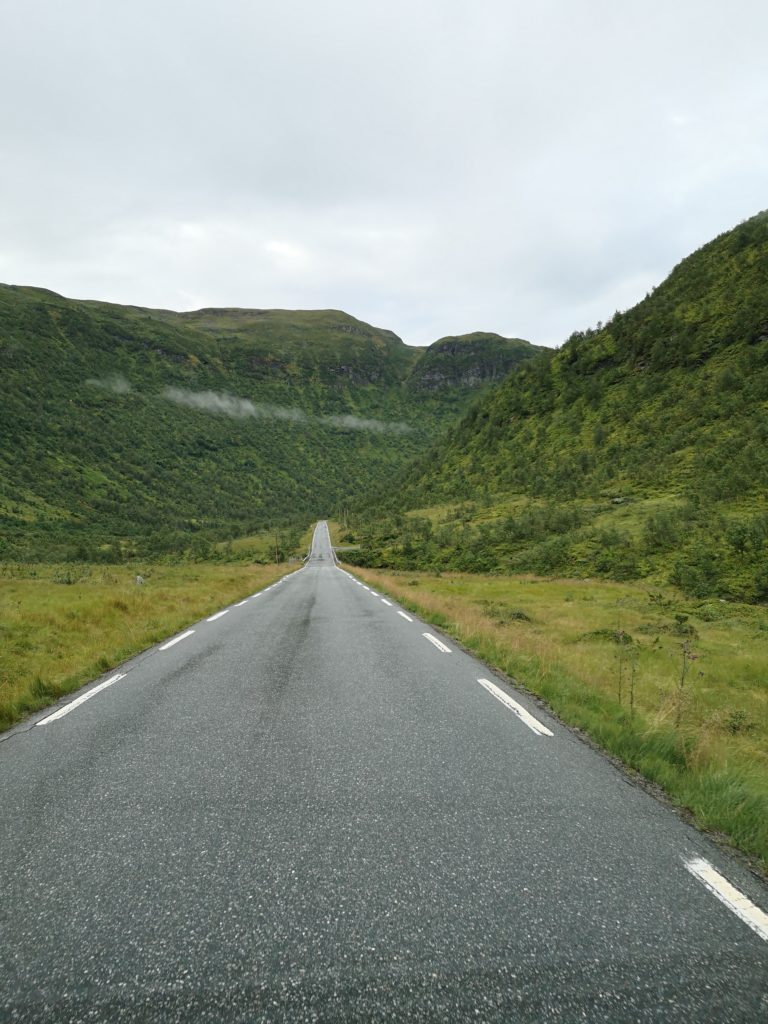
469, 360
142, 432
676, 688
637, 451
63, 625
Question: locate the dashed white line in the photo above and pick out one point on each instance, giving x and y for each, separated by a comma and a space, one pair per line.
385, 601
176, 639
438, 643
525, 716
217, 615
728, 894
406, 617
81, 700
241, 603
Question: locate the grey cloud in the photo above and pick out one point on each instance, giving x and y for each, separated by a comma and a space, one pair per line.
433, 168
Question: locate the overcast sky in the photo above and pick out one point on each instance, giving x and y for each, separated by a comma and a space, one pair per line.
432, 167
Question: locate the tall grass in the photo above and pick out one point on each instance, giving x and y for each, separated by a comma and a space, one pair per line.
577, 645
61, 626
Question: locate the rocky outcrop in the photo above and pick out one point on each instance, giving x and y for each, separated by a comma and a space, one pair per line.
469, 361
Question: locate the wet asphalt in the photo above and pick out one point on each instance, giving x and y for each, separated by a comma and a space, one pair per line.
305, 811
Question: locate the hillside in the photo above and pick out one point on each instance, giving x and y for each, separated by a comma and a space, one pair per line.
639, 450
469, 360
135, 429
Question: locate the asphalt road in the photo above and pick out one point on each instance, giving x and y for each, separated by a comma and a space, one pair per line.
306, 810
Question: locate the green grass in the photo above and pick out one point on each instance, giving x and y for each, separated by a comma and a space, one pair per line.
61, 626
706, 746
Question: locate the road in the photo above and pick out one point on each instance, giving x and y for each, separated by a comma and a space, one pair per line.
306, 809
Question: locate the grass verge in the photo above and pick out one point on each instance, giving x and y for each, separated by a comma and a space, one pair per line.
675, 688
61, 626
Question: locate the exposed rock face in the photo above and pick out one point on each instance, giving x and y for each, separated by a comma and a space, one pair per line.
469, 361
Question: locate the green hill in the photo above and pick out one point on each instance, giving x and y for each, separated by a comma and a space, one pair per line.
135, 429
638, 450
469, 360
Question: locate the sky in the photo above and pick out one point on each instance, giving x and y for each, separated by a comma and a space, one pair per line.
433, 166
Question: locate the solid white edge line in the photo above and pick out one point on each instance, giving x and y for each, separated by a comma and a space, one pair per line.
385, 601
176, 639
525, 716
217, 615
406, 617
729, 895
80, 700
438, 643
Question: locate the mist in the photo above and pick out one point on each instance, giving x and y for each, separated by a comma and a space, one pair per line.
115, 382
222, 404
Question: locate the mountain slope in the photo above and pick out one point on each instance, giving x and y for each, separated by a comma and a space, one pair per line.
638, 449
131, 427
469, 360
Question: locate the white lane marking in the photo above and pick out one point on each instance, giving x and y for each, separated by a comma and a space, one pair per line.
406, 617
728, 894
80, 700
438, 643
525, 716
241, 603
176, 639
217, 615
385, 601
366, 588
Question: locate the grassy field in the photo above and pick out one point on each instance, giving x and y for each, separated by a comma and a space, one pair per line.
676, 688
61, 626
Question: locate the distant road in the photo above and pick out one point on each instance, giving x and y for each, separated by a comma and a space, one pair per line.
313, 807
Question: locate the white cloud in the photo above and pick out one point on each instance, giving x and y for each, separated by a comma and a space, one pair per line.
432, 168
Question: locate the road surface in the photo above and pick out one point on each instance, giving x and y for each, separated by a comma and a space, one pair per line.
308, 808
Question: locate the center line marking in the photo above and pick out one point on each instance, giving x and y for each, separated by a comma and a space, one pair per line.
385, 601
728, 894
406, 617
176, 639
438, 643
525, 716
80, 700
217, 615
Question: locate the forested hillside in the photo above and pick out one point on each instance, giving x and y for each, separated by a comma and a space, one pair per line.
640, 450
128, 429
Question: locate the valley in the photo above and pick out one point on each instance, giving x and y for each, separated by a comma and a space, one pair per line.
591, 521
